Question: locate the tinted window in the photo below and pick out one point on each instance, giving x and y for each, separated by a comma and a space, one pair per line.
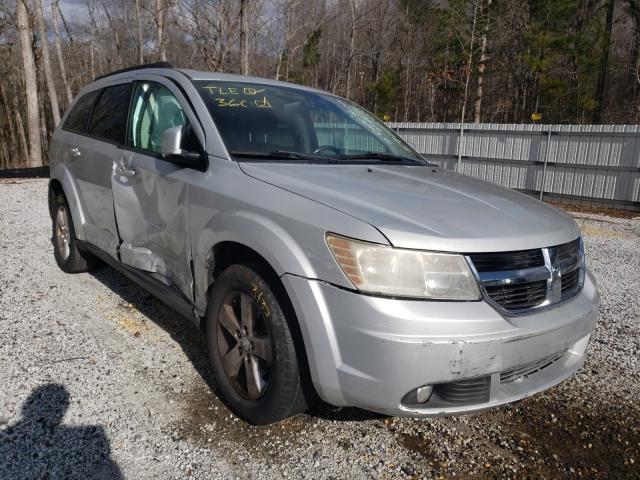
154, 110
109, 119
78, 118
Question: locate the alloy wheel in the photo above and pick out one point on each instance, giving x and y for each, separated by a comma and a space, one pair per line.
63, 241
245, 345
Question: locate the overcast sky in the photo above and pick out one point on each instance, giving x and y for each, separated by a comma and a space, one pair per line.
73, 10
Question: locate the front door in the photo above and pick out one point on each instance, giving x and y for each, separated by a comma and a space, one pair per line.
151, 196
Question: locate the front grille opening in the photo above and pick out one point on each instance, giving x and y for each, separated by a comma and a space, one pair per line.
505, 261
528, 369
569, 251
570, 283
518, 296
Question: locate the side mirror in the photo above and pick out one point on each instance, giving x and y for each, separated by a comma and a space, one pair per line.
171, 141
172, 151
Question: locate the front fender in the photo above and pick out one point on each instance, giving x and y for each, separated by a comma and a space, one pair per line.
285, 229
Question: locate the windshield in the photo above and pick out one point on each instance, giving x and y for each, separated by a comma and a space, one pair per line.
258, 121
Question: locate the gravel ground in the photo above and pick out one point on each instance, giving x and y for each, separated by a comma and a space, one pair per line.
100, 380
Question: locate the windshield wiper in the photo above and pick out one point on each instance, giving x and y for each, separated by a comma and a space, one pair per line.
279, 154
385, 157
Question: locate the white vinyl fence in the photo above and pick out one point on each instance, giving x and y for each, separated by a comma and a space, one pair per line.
596, 163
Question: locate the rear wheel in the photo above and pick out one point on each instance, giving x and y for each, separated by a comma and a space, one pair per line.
68, 255
251, 348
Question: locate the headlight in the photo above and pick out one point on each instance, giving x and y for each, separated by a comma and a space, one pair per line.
386, 270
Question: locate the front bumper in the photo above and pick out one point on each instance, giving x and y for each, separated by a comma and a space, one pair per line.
369, 352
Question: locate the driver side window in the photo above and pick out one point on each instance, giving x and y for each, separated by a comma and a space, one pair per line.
154, 110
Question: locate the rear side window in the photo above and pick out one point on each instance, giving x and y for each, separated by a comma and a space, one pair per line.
78, 117
109, 119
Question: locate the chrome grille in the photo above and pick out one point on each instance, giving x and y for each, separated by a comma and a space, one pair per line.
520, 281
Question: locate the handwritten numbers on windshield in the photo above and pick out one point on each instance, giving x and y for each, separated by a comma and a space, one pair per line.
231, 102
264, 103
238, 97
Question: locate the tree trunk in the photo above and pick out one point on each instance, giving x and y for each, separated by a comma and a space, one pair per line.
140, 41
161, 8
244, 37
604, 61
21, 133
61, 64
31, 84
469, 66
114, 30
46, 64
481, 65
9, 117
352, 39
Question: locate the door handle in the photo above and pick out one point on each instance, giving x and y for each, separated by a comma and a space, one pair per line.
125, 172
75, 152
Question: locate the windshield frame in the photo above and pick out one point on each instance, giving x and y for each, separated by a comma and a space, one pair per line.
416, 160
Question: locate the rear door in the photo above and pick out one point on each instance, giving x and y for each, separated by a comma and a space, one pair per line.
92, 132
151, 195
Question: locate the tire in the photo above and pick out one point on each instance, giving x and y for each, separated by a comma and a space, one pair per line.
268, 385
68, 255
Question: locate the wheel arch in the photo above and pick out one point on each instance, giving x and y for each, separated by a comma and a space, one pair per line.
61, 182
227, 253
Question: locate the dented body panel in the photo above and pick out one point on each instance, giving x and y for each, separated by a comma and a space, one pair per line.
162, 220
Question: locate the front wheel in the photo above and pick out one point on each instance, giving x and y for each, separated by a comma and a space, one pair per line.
251, 348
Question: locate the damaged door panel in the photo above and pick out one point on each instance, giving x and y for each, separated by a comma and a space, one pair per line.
151, 212
151, 204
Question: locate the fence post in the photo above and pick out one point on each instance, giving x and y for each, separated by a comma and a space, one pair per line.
546, 160
460, 139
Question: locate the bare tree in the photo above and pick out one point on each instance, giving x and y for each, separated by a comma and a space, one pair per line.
483, 59
244, 37
61, 63
139, 29
160, 16
31, 84
46, 64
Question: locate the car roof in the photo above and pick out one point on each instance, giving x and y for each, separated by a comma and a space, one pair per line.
165, 69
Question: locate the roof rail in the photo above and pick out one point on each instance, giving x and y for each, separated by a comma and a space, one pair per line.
136, 67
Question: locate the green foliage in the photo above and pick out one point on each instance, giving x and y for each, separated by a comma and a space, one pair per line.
564, 43
311, 49
385, 91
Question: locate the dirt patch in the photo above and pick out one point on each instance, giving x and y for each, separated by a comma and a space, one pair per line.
555, 438
544, 437
611, 212
602, 232
207, 420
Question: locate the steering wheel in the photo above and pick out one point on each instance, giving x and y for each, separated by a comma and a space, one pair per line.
329, 148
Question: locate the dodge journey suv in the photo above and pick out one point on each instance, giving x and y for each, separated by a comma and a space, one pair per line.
319, 253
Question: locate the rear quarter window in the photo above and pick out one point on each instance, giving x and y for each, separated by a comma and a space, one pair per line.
109, 119
78, 117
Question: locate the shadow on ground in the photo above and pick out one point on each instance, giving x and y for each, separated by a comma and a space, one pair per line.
38, 445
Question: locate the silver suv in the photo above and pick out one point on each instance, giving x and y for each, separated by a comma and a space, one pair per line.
321, 255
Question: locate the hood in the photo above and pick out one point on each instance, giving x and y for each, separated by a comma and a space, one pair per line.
425, 208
